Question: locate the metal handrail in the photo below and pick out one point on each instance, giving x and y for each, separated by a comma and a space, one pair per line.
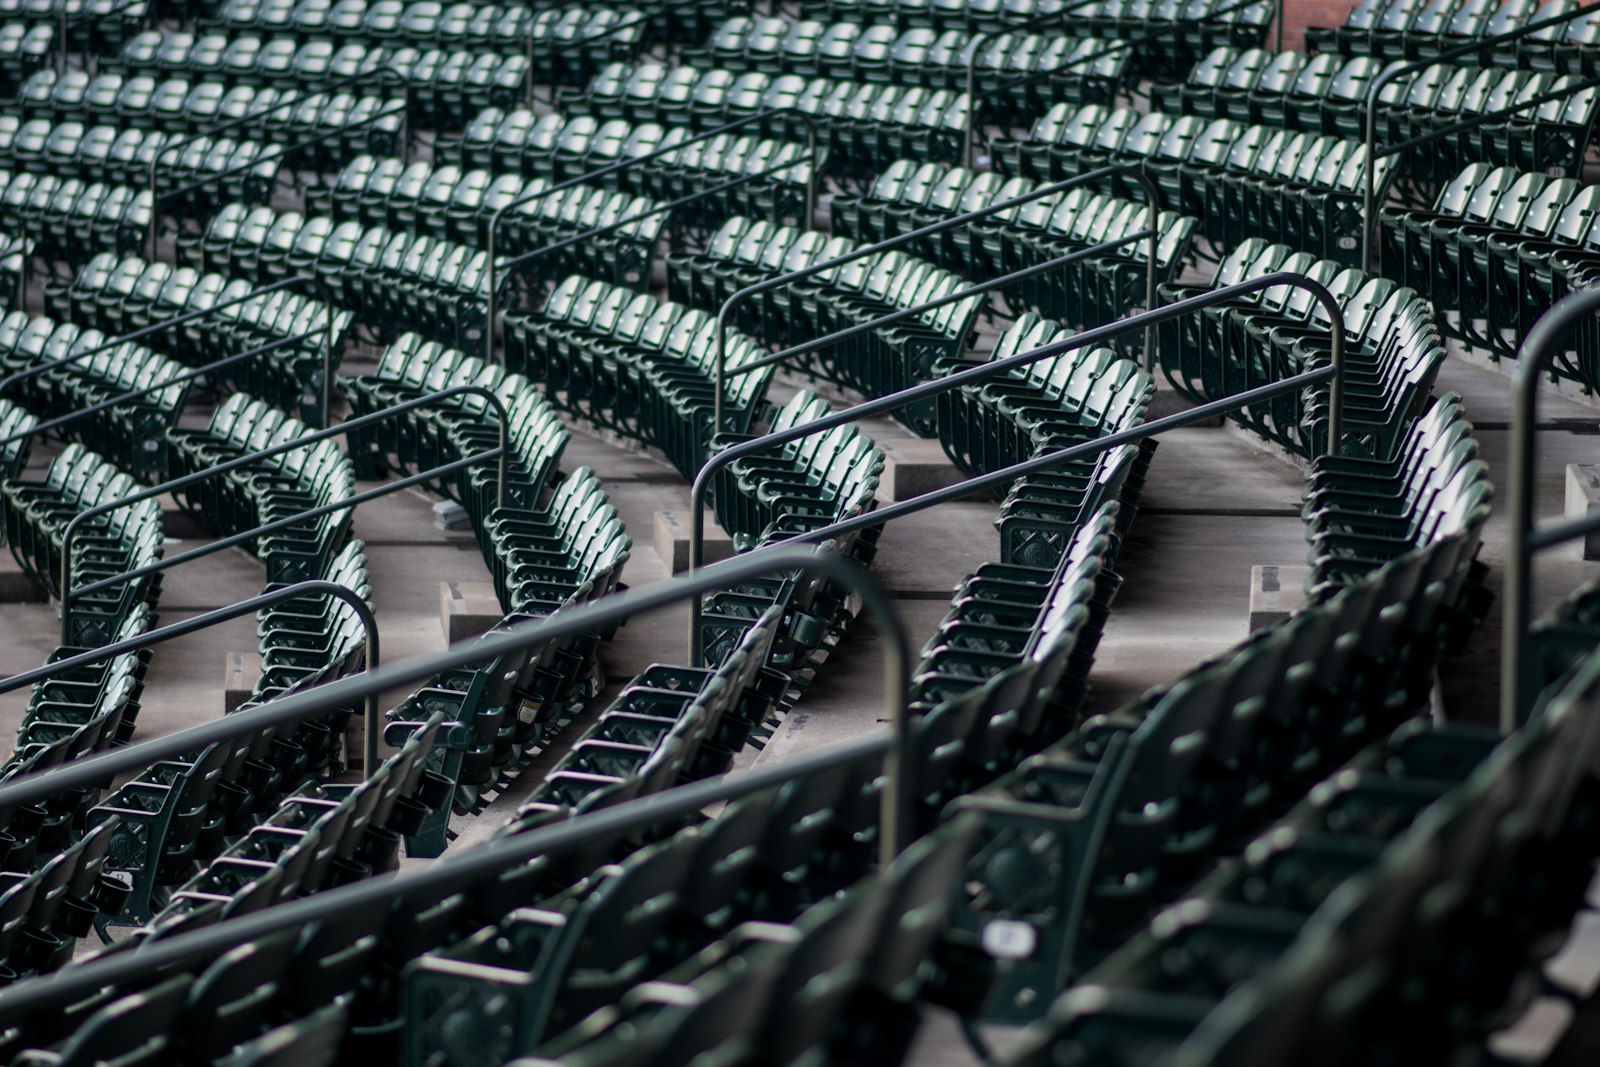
359, 77
1145, 319
324, 293
1114, 45
1369, 193
1539, 348
661, 209
349, 503
40, 993
901, 314
188, 376
892, 745
766, 285
280, 152
315, 587
502, 453
623, 164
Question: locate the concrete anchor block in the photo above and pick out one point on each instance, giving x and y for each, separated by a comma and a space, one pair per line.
467, 610
915, 465
1275, 593
671, 539
1583, 496
239, 679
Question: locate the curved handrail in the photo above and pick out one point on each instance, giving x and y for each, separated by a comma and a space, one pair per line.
882, 405
623, 164
462, 869
1525, 539
320, 287
1369, 193
766, 285
314, 587
502, 453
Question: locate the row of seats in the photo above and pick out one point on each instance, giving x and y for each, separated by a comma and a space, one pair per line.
1095, 289
314, 639
1044, 406
266, 490
445, 87
74, 715
570, 42
544, 559
814, 481
1388, 915
1421, 29
321, 835
560, 148
121, 18
1006, 671
1328, 95
120, 295
428, 437
1018, 75
23, 50
568, 550
344, 124
37, 514
1393, 351
637, 366
70, 221
1192, 27
175, 816
1360, 513
1135, 805
45, 911
389, 280
786, 986
69, 150
453, 204
1240, 181
862, 124
134, 430
1497, 249
746, 251
669, 725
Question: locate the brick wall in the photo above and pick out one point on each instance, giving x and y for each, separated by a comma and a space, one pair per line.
1303, 13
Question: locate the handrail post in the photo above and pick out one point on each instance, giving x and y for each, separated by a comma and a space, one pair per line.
1523, 540
492, 282
889, 244
881, 405
78, 520
1369, 165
